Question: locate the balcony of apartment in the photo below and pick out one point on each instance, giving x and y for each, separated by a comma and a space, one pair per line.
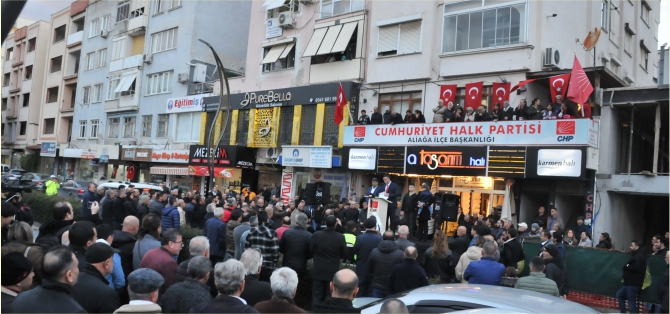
15, 83
200, 88
336, 52
19, 57
72, 70
126, 100
137, 25
12, 111
69, 99
337, 70
126, 63
75, 39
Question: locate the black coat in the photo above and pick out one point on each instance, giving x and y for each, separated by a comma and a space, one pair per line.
555, 270
512, 253
335, 305
198, 216
439, 267
350, 214
381, 262
80, 253
327, 247
376, 118
521, 113
119, 210
125, 242
363, 247
108, 211
90, 282
406, 276
182, 275
294, 244
509, 113
459, 246
255, 290
183, 296
50, 297
635, 270
409, 203
541, 220
223, 304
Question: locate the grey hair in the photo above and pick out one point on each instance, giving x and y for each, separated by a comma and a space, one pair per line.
199, 267
284, 282
198, 245
489, 249
269, 209
403, 230
218, 212
229, 276
279, 206
101, 188
301, 220
210, 208
252, 260
253, 221
109, 192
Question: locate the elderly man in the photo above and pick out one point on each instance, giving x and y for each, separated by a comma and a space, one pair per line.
198, 246
193, 291
254, 290
162, 259
376, 117
239, 231
382, 260
215, 231
402, 243
143, 285
99, 263
264, 239
343, 290
284, 282
229, 278
294, 244
485, 271
394, 306
460, 244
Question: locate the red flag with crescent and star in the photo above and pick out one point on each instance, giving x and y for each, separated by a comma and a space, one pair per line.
557, 85
340, 103
580, 87
448, 93
473, 95
500, 92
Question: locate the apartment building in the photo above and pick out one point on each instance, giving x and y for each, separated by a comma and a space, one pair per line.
23, 70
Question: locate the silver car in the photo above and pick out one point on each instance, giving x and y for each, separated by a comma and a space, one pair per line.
475, 299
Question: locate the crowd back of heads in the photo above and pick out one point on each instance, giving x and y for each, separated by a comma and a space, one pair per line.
57, 262
170, 235
229, 276
151, 224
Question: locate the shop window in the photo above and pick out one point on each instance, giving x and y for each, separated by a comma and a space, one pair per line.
31, 44
331, 131
286, 126
399, 39
95, 126
49, 126
307, 125
56, 64
113, 127
29, 72
26, 99
400, 102
242, 127
59, 34
163, 120
82, 128
52, 94
22, 127
278, 57
191, 122
129, 127
147, 122
336, 7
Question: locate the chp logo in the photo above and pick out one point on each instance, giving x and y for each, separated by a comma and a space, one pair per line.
359, 134
170, 104
565, 130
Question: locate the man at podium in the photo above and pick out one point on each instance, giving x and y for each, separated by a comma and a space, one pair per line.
391, 192
374, 190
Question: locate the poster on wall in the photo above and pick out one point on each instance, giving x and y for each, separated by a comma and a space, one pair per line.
286, 186
559, 162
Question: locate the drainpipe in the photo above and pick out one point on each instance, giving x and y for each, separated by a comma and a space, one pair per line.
630, 139
657, 131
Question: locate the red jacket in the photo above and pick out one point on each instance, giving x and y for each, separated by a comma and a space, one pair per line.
226, 214
160, 260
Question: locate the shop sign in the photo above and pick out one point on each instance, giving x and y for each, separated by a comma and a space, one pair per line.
103, 159
559, 162
460, 161
73, 152
203, 171
171, 156
473, 182
287, 186
185, 104
540, 132
87, 155
48, 149
136, 154
223, 156
362, 158
333, 176
307, 156
272, 28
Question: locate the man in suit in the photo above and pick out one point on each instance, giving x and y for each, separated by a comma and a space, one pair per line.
230, 283
392, 192
460, 244
374, 190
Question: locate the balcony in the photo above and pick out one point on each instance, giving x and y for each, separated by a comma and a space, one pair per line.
126, 63
70, 77
334, 71
75, 39
125, 103
137, 26
200, 88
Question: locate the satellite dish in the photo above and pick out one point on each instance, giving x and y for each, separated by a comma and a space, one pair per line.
592, 38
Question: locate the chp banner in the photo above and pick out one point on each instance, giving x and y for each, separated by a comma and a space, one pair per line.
519, 133
448, 93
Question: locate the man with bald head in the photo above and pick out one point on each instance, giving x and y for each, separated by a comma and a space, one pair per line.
408, 274
394, 306
461, 243
343, 290
124, 241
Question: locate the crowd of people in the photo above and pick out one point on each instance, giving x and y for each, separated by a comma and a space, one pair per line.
451, 112
125, 251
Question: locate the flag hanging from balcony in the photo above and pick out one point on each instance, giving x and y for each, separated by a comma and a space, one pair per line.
521, 84
558, 84
341, 102
580, 87
500, 92
473, 95
448, 93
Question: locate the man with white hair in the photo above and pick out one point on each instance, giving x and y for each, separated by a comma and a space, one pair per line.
402, 243
181, 297
215, 231
198, 246
254, 290
271, 211
229, 279
284, 282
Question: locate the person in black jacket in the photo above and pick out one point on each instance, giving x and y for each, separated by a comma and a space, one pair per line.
555, 268
344, 288
254, 290
633, 278
124, 241
89, 198
364, 245
512, 252
108, 207
409, 202
230, 283
438, 260
662, 287
459, 245
381, 262
408, 274
327, 248
376, 117
119, 209
294, 244
99, 263
17, 276
349, 214
63, 216
521, 111
82, 235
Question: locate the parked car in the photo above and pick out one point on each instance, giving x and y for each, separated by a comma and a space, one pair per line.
140, 186
472, 298
70, 188
5, 169
12, 175
37, 180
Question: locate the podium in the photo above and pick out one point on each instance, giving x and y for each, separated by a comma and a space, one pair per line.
378, 207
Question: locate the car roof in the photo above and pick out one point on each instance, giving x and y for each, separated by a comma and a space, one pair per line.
510, 299
115, 185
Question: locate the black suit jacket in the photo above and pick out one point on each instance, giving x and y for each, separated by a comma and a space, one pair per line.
223, 304
327, 248
394, 192
255, 290
512, 253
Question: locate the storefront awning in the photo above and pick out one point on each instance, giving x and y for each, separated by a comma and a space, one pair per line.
179, 171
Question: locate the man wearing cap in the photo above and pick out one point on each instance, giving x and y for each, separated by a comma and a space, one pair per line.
116, 278
523, 230
143, 285
143, 206
162, 259
17, 276
52, 186
60, 271
555, 268
99, 263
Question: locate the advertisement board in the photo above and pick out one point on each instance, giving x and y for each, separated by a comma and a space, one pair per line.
536, 132
307, 156
171, 156
185, 104
543, 162
362, 158
286, 186
459, 161
48, 149
223, 156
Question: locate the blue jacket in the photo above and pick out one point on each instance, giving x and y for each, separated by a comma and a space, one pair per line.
117, 279
215, 231
426, 198
485, 272
88, 197
365, 243
170, 218
561, 250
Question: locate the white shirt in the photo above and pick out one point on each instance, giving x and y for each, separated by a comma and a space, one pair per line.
243, 301
139, 302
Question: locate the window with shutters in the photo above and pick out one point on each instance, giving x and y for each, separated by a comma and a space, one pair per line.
278, 57
334, 43
399, 39
615, 21
307, 125
483, 24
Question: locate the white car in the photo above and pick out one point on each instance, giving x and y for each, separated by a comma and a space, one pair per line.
139, 186
475, 299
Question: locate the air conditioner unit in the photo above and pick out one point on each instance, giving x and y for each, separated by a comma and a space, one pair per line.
286, 19
148, 58
551, 58
127, 92
268, 155
182, 78
104, 33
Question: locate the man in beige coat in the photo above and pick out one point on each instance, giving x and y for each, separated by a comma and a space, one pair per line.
143, 285
439, 111
474, 253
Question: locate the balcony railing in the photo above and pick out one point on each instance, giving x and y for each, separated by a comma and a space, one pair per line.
75, 39
334, 71
137, 25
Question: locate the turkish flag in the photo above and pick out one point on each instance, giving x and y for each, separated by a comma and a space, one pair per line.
448, 93
500, 92
130, 173
558, 84
341, 102
473, 95
522, 83
580, 87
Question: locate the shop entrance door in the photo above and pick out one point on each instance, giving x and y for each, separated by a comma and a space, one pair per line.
478, 201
